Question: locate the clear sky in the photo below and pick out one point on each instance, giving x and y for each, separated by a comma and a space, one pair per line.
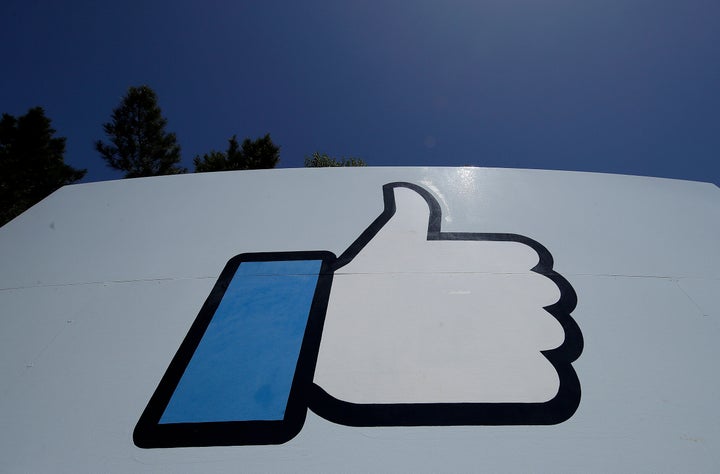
620, 86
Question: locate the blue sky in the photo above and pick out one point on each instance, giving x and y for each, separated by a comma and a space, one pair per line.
620, 86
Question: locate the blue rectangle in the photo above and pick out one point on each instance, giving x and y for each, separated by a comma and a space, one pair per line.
243, 367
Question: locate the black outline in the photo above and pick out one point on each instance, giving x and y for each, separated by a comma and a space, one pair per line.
149, 433
304, 393
554, 411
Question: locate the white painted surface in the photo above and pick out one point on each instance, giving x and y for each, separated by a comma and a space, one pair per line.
418, 321
129, 264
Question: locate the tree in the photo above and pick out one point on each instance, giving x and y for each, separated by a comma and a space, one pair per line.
139, 144
31, 162
322, 160
260, 153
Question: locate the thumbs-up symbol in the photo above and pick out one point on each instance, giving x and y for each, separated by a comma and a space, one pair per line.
426, 327
409, 326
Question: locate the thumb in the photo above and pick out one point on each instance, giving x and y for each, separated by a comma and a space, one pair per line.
410, 215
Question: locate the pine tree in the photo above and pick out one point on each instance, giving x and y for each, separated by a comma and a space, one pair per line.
323, 160
32, 162
260, 153
139, 144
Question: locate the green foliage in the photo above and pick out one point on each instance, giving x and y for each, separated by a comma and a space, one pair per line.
261, 153
139, 145
322, 160
31, 162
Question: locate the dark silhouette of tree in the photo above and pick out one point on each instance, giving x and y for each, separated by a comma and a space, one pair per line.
139, 144
261, 153
322, 160
31, 162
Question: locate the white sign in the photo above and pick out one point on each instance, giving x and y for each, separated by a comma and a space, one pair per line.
366, 320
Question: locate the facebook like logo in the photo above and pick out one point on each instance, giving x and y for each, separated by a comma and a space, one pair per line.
410, 326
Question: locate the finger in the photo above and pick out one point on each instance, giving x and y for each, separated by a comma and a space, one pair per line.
406, 219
